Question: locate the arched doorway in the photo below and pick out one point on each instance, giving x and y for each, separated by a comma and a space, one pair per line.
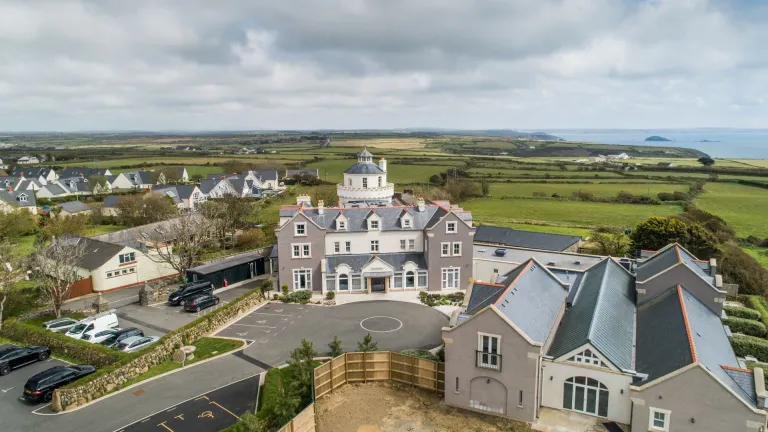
410, 279
343, 282
487, 394
585, 395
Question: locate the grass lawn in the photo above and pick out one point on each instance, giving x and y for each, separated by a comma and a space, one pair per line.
522, 173
332, 170
568, 213
583, 232
24, 245
601, 190
759, 254
743, 207
759, 163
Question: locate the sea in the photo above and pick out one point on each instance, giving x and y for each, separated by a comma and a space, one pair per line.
717, 143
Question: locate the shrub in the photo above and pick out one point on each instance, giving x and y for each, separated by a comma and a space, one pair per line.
744, 345
275, 296
330, 295
303, 297
757, 303
420, 353
742, 312
250, 237
285, 289
739, 268
746, 326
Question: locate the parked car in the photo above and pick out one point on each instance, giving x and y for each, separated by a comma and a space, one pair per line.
136, 343
195, 304
120, 335
102, 321
40, 387
96, 336
59, 325
186, 292
12, 356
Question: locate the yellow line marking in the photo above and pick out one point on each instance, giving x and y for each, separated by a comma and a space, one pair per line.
163, 425
202, 397
230, 412
171, 409
146, 420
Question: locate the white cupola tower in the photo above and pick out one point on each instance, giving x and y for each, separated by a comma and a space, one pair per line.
366, 182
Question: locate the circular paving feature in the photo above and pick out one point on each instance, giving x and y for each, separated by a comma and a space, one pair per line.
381, 324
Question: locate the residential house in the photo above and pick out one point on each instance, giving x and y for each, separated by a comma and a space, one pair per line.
11, 200
3, 166
262, 179
71, 208
64, 187
26, 160
217, 187
41, 174
133, 180
291, 173
186, 197
84, 172
620, 156
109, 205
20, 183
641, 344
503, 236
369, 246
181, 174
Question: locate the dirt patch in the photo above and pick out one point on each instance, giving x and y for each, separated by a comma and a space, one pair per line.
389, 407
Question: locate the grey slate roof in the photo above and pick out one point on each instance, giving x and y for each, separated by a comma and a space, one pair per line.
562, 260
111, 201
525, 239
134, 236
180, 192
390, 217
14, 198
31, 172
226, 263
483, 295
365, 153
56, 189
73, 206
292, 172
264, 174
96, 252
139, 177
667, 258
207, 185
358, 261
603, 314
86, 172
364, 168
532, 300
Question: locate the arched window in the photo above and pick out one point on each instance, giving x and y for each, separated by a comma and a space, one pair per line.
410, 279
585, 395
587, 357
343, 282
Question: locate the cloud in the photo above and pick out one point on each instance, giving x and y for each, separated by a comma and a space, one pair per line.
240, 64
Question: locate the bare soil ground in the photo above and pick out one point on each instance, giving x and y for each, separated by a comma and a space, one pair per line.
389, 407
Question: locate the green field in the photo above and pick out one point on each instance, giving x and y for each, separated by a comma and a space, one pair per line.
499, 190
568, 213
583, 232
332, 170
760, 254
743, 207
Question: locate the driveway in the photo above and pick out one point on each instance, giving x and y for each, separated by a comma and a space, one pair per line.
15, 414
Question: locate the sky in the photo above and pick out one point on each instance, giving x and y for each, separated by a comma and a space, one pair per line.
69, 65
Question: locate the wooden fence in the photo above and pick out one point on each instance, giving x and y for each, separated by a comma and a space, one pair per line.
358, 367
303, 422
80, 288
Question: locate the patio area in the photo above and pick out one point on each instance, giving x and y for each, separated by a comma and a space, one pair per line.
551, 420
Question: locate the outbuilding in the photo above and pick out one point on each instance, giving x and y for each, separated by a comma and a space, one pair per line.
232, 269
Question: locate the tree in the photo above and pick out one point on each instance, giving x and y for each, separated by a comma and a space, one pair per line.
335, 347
265, 288
17, 223
10, 271
485, 187
436, 180
286, 405
135, 210
656, 232
303, 364
233, 166
326, 193
57, 268
228, 214
706, 161
368, 344
182, 241
610, 241
59, 226
166, 176
99, 184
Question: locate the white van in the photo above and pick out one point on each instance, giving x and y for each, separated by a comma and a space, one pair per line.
103, 321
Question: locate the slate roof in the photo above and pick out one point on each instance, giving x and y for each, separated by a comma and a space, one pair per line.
358, 261
562, 260
96, 252
483, 294
225, 263
73, 206
364, 168
524, 239
667, 258
207, 185
263, 174
86, 172
56, 189
31, 172
139, 177
390, 217
180, 192
135, 236
111, 201
13, 198
365, 153
292, 172
603, 314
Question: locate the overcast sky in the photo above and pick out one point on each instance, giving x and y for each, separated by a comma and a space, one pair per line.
306, 64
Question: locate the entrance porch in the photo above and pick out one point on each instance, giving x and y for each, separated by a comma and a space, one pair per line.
552, 420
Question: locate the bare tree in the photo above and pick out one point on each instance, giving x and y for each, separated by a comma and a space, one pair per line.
10, 270
182, 243
57, 266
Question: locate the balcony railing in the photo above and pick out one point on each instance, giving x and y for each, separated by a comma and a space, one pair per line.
488, 360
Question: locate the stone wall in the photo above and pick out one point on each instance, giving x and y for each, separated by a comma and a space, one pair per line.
70, 398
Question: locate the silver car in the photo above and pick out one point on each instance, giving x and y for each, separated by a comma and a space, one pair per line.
136, 343
60, 325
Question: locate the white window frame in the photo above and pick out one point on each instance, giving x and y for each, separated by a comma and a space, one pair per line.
23, 198
307, 279
374, 245
448, 226
453, 249
403, 244
303, 226
411, 244
348, 247
373, 224
444, 277
496, 355
590, 359
341, 225
365, 182
651, 417
406, 222
123, 258
445, 249
337, 247
304, 250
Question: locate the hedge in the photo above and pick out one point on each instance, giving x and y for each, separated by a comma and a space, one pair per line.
303, 296
757, 303
269, 389
746, 326
420, 353
742, 312
744, 345
76, 349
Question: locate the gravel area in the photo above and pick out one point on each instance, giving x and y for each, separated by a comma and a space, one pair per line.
388, 407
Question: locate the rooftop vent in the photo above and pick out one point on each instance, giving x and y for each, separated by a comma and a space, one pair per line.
550, 263
577, 262
500, 252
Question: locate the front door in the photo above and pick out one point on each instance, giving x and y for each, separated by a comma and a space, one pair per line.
377, 284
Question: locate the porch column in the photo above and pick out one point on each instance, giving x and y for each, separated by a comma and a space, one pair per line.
386, 283
368, 284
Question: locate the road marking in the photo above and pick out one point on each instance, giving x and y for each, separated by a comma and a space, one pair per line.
202, 397
206, 414
243, 334
181, 416
381, 331
146, 420
230, 412
6, 390
252, 325
276, 314
163, 425
264, 341
171, 409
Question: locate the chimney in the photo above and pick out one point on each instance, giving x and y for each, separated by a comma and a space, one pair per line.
420, 204
320, 207
760, 387
383, 164
712, 267
303, 199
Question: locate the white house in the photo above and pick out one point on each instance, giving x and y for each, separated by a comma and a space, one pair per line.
65, 187
132, 180
11, 200
217, 187
620, 156
186, 197
41, 174
26, 160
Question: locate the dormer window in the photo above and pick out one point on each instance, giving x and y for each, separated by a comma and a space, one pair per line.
587, 357
300, 229
373, 224
341, 225
450, 228
406, 222
23, 198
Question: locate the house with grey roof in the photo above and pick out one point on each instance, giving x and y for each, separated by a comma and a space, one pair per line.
291, 173
11, 200
218, 186
623, 350
69, 172
64, 186
42, 174
366, 245
109, 205
503, 236
71, 208
132, 180
27, 160
186, 197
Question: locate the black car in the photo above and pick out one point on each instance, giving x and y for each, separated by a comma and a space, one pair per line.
192, 289
12, 356
120, 335
40, 387
195, 304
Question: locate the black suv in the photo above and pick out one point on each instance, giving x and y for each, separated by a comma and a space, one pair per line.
12, 356
192, 289
195, 304
119, 335
40, 387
